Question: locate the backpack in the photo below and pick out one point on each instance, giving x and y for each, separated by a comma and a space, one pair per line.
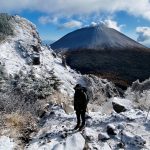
84, 89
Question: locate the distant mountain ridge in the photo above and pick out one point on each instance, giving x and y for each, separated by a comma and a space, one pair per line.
96, 37
107, 53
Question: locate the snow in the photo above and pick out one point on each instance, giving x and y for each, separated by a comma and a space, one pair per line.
6, 143
123, 102
16, 54
135, 130
75, 142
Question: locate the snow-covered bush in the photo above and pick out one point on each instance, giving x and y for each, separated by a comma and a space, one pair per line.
24, 96
24, 91
40, 87
99, 90
139, 92
5, 26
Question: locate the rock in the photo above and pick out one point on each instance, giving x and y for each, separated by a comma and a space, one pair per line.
90, 134
121, 105
89, 138
111, 129
105, 146
121, 126
103, 136
36, 59
75, 142
63, 135
132, 139
118, 108
58, 147
120, 145
54, 54
36, 48
41, 113
52, 113
87, 116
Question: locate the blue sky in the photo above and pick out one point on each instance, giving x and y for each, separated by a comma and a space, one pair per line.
55, 18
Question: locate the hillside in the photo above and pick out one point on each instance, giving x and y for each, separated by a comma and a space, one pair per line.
107, 53
120, 67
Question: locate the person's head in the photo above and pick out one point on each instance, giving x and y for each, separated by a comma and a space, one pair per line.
78, 87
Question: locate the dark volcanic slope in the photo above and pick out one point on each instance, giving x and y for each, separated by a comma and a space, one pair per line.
107, 53
98, 37
121, 67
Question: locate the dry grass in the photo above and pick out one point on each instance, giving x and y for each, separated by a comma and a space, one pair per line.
15, 120
20, 126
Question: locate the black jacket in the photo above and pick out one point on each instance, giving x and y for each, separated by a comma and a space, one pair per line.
80, 100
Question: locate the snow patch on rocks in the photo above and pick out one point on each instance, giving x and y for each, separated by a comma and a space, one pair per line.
6, 143
128, 126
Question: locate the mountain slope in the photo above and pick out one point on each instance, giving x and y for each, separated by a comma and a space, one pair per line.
107, 53
97, 37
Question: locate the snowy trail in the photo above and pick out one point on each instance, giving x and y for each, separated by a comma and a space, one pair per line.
57, 123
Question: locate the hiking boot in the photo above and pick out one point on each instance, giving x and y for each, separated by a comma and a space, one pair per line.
76, 127
81, 127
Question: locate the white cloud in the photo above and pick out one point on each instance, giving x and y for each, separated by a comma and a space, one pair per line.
94, 24
47, 19
112, 24
72, 24
79, 7
143, 34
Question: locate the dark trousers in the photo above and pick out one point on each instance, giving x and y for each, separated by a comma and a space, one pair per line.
80, 115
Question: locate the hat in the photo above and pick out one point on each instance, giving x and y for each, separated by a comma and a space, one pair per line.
78, 86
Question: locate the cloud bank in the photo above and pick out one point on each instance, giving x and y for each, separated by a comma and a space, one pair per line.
68, 8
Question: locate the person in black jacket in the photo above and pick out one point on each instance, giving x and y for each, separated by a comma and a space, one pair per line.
80, 105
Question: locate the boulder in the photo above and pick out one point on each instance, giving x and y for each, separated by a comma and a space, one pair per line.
90, 134
131, 139
103, 137
121, 105
36, 59
73, 142
111, 129
105, 146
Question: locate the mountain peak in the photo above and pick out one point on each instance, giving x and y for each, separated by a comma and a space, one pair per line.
96, 37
